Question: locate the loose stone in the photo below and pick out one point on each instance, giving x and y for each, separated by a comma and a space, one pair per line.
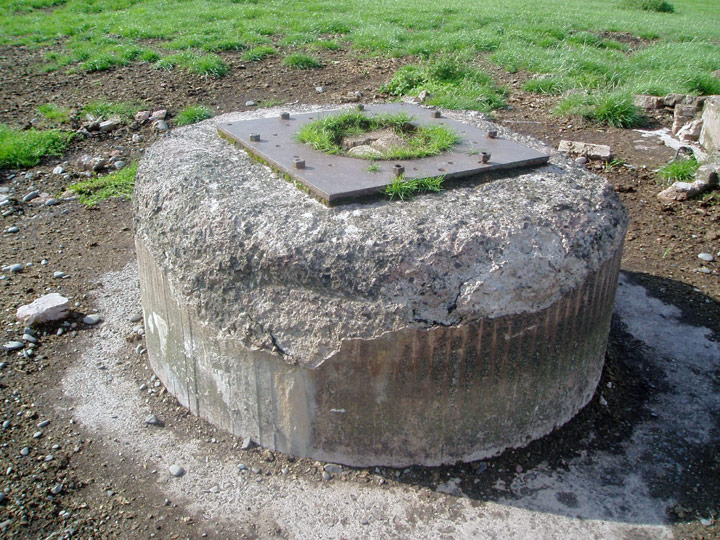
119, 165
153, 420
30, 196
91, 319
242, 467
15, 268
320, 89
58, 274
707, 257
582, 160
176, 470
161, 125
25, 451
50, 307
37, 434
12, 230
13, 345
49, 457
56, 489
136, 318
6, 424
29, 338
250, 103
52, 202
59, 169
246, 444
331, 468
704, 270
43, 424
326, 476
158, 115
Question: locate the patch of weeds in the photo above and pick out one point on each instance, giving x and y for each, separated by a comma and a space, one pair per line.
301, 61
613, 164
54, 113
373, 168
329, 44
679, 170
25, 148
107, 109
450, 84
267, 103
326, 134
704, 84
192, 114
611, 108
404, 189
117, 184
543, 85
660, 6
259, 53
209, 65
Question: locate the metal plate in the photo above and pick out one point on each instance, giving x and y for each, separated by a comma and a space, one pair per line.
336, 178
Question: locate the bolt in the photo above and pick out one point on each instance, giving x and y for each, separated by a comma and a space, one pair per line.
492, 133
398, 170
361, 107
254, 137
299, 163
436, 114
285, 116
484, 157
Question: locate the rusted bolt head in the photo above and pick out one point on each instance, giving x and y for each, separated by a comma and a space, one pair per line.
254, 137
436, 114
361, 107
492, 133
285, 116
299, 163
484, 157
398, 170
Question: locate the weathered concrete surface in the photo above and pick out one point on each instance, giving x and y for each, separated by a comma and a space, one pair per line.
710, 134
447, 328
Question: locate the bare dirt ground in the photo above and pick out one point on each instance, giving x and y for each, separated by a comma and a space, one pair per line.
107, 489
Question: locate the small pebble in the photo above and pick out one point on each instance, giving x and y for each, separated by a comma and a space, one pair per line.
119, 165
246, 444
256, 470
704, 270
52, 202
12, 230
15, 268
136, 318
326, 476
581, 160
143, 386
2, 497
37, 434
43, 424
250, 103
13, 345
161, 125
29, 338
58, 170
56, 489
320, 89
30, 196
331, 468
6, 424
92, 319
58, 274
242, 467
707, 257
176, 470
25, 451
44, 262
153, 420
49, 458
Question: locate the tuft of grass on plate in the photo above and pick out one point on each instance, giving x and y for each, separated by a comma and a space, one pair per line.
259, 53
117, 184
679, 170
404, 189
54, 113
326, 134
25, 148
301, 61
450, 83
610, 108
192, 114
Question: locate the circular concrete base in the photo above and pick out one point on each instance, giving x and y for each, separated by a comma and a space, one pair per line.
445, 328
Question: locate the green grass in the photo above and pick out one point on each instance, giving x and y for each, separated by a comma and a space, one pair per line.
404, 189
301, 61
208, 65
25, 148
54, 113
679, 170
602, 46
610, 108
450, 82
660, 6
107, 109
259, 53
326, 134
192, 114
117, 184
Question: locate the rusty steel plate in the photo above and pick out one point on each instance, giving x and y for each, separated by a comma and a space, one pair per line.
334, 179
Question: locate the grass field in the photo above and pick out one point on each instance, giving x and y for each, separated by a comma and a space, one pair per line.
608, 47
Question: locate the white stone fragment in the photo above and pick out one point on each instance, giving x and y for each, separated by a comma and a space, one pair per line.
51, 307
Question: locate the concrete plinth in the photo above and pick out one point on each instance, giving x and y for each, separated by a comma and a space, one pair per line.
445, 328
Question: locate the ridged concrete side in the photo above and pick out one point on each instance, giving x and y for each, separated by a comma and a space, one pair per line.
429, 396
